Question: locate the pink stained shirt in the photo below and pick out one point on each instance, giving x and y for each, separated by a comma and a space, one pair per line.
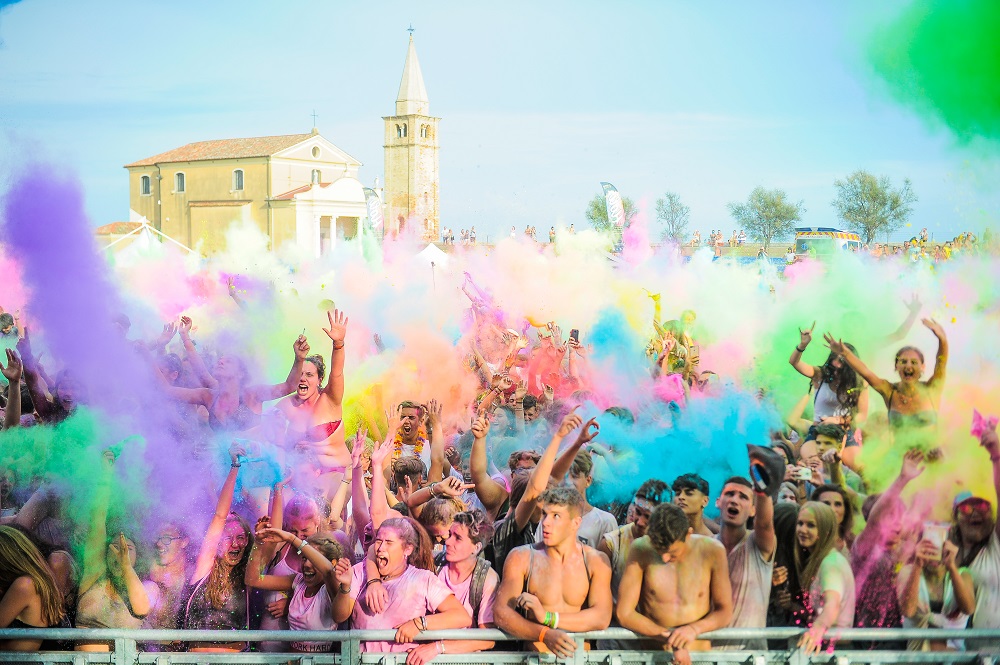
463, 591
413, 594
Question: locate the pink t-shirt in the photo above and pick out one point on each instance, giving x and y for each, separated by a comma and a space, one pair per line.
413, 594
462, 591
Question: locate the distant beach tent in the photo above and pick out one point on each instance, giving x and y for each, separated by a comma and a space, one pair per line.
136, 234
432, 255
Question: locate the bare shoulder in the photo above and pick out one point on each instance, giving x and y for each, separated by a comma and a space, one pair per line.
596, 557
517, 559
642, 551
707, 546
22, 585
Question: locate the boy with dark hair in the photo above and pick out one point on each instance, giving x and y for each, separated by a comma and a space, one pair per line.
691, 495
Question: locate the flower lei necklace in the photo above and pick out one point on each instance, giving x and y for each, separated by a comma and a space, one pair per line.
418, 447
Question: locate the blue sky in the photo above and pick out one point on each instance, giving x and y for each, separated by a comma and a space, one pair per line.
539, 101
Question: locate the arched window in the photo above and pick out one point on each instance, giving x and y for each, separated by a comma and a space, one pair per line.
179, 183
404, 130
144, 187
238, 180
399, 132
317, 176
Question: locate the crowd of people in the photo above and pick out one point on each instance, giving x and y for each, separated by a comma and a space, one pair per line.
419, 520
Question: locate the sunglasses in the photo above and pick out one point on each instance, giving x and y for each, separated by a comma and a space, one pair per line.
971, 506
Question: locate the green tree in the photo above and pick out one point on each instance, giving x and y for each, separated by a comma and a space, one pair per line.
674, 216
869, 205
597, 214
767, 215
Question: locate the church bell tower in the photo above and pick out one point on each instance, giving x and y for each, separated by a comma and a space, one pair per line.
411, 157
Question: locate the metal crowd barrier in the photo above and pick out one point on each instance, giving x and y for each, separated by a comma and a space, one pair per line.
129, 648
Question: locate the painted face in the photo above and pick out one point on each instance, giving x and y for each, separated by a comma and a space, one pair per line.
581, 482
114, 567
975, 520
458, 546
909, 366
439, 533
691, 501
806, 529
675, 552
640, 511
826, 443
558, 524
531, 414
390, 552
836, 502
304, 525
228, 367
736, 504
308, 382
70, 392
233, 543
169, 545
499, 421
409, 421
786, 495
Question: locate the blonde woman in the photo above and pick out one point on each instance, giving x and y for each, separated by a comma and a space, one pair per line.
30, 598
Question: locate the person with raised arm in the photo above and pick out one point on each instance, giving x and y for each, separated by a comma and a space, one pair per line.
557, 586
839, 391
219, 598
416, 600
233, 404
675, 586
912, 404
315, 412
524, 513
111, 593
12, 372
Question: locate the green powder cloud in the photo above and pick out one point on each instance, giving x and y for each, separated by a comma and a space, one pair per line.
942, 59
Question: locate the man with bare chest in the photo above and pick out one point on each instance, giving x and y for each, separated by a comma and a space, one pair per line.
675, 585
558, 586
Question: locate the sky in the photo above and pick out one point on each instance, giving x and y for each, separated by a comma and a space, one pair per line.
540, 102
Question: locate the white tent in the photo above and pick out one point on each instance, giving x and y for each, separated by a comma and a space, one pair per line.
432, 255
144, 236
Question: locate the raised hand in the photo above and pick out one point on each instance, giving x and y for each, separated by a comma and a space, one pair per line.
806, 336
521, 391
236, 451
453, 487
184, 329
435, 410
481, 427
380, 453
589, 432
12, 372
338, 326
342, 571
169, 330
914, 304
570, 422
835, 345
301, 347
913, 465
358, 451
120, 549
934, 327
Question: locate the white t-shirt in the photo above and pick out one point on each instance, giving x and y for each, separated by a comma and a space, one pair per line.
835, 574
306, 613
463, 591
985, 570
750, 577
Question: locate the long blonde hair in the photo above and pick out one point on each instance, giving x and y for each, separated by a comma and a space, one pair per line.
807, 562
20, 558
223, 580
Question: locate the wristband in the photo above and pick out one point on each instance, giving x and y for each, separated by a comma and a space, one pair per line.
800, 350
343, 590
541, 635
548, 619
423, 623
555, 620
234, 466
440, 646
302, 545
338, 348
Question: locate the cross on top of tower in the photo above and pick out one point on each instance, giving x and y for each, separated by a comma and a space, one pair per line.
410, 30
314, 117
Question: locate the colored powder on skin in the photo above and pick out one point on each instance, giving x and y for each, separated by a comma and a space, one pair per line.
942, 59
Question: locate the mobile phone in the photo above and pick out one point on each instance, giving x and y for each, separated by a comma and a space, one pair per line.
936, 533
574, 335
805, 473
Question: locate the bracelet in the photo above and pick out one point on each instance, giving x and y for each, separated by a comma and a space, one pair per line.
799, 350
548, 619
431, 488
555, 620
234, 466
343, 590
440, 646
338, 348
302, 545
541, 635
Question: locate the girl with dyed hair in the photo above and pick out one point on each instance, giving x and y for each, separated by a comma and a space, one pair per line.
219, 598
912, 404
111, 593
825, 578
31, 598
417, 600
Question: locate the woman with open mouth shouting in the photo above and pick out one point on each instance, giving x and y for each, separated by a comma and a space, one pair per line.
912, 404
417, 600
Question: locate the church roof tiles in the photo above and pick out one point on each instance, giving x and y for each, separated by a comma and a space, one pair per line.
260, 146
